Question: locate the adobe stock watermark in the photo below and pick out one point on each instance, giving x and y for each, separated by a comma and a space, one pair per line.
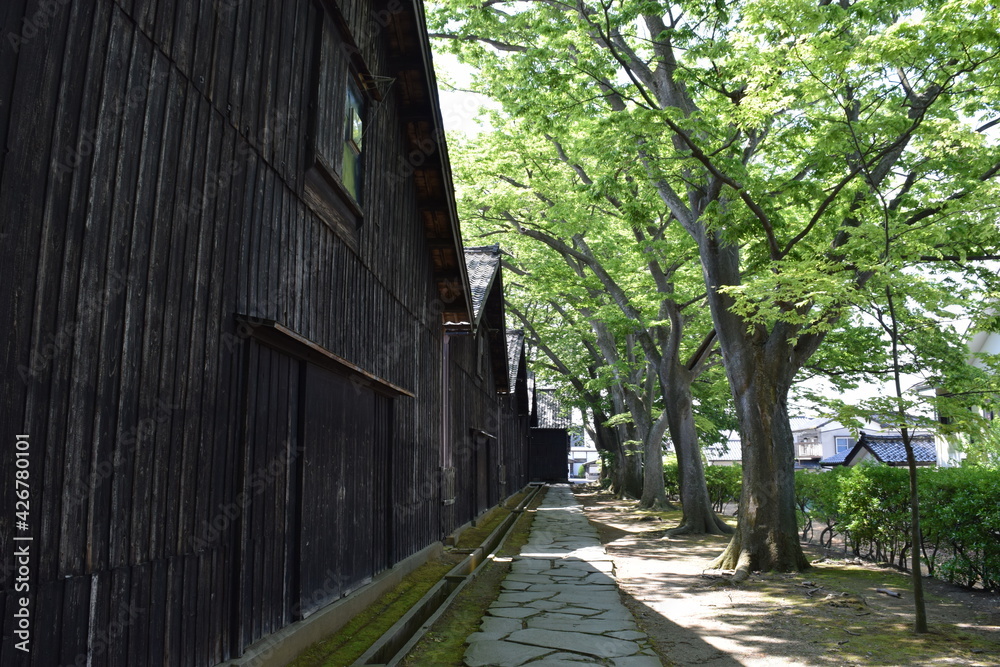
103, 639
430, 315
433, 490
35, 23
262, 651
79, 490
256, 484
218, 181
86, 143
90, 305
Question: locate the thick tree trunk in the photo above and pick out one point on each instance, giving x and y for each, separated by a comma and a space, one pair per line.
699, 517
760, 364
654, 493
607, 440
632, 471
630, 459
766, 536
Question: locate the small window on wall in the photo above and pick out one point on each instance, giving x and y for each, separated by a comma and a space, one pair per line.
354, 130
334, 184
843, 443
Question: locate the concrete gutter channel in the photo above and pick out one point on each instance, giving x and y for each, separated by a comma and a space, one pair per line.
397, 641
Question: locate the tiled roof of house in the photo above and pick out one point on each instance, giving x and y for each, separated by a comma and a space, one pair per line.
481, 264
888, 449
731, 451
549, 411
835, 460
515, 341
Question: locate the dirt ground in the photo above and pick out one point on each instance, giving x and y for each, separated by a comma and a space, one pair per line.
828, 615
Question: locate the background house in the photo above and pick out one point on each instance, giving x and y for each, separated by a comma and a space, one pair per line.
725, 455
818, 438
886, 448
583, 455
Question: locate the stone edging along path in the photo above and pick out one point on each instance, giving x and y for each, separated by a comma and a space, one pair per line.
559, 606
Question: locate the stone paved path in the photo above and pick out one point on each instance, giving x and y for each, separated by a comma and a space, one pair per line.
559, 606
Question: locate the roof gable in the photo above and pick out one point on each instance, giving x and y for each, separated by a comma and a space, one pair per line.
549, 412
482, 265
515, 343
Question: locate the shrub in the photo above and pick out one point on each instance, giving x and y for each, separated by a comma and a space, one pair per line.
671, 480
818, 497
724, 484
875, 505
959, 516
960, 521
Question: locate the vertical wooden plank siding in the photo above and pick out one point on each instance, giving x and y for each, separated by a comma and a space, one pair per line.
196, 487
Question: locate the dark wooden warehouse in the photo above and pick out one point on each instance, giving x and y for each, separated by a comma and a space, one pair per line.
241, 344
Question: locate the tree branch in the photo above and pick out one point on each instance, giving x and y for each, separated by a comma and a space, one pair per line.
500, 46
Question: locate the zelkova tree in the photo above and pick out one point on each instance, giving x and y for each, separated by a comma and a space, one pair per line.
783, 137
638, 283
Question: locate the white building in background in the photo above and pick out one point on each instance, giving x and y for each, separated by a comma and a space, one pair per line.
818, 440
981, 344
821, 438
583, 453
728, 454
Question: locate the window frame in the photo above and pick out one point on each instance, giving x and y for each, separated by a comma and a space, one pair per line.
355, 125
837, 440
338, 69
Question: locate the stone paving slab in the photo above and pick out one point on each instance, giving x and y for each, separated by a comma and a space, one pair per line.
560, 606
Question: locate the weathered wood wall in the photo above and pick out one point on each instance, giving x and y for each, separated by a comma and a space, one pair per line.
191, 485
488, 433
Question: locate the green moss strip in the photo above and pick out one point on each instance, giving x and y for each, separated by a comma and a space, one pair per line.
474, 536
351, 641
444, 643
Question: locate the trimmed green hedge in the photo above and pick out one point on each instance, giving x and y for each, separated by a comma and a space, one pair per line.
869, 506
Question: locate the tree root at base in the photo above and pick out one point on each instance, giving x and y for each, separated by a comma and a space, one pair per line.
714, 526
658, 506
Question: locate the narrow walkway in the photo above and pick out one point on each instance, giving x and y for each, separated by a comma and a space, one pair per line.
559, 606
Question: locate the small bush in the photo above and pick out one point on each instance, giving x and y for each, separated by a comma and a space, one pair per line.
875, 506
671, 480
724, 483
960, 522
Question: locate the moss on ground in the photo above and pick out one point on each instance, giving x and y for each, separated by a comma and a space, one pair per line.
846, 616
350, 642
473, 536
444, 644
830, 614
